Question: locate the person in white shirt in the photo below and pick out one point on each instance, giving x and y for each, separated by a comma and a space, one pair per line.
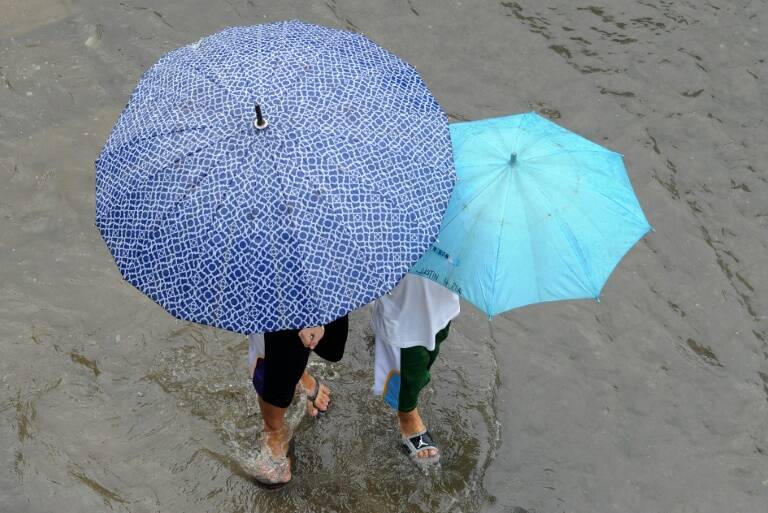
409, 324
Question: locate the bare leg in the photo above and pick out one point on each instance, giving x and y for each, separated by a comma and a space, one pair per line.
410, 424
277, 436
272, 466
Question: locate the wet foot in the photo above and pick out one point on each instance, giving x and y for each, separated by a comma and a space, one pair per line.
271, 465
323, 399
410, 424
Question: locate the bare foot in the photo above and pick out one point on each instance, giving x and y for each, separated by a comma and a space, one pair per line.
410, 424
323, 399
271, 465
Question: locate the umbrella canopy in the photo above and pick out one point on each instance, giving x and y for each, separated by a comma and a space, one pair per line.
538, 214
282, 216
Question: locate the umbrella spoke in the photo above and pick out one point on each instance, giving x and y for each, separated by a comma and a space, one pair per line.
453, 213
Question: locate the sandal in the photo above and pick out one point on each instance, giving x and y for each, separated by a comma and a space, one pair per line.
418, 442
312, 397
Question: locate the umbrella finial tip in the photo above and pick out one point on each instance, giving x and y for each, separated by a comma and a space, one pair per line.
259, 122
512, 158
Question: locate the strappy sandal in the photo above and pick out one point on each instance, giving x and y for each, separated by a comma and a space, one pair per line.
415, 443
312, 397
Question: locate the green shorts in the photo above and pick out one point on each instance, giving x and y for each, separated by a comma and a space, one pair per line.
415, 363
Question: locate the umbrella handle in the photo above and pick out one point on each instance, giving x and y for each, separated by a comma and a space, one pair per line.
259, 122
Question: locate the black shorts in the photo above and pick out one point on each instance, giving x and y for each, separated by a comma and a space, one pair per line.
285, 359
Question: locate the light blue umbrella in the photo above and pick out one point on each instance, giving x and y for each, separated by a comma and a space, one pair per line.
274, 176
538, 214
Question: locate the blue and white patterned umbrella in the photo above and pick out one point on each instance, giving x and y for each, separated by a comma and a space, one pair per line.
320, 209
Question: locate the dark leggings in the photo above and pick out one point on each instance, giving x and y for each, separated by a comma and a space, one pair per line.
285, 359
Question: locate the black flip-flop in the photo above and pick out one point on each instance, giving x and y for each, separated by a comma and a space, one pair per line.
312, 397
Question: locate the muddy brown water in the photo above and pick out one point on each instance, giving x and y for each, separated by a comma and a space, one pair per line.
656, 399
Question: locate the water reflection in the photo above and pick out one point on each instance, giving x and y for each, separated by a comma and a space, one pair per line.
650, 401
349, 460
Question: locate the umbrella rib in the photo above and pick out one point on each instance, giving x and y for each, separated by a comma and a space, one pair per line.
386, 199
282, 195
283, 189
352, 240
519, 131
477, 164
624, 207
223, 270
467, 249
170, 105
544, 135
564, 152
632, 215
413, 119
370, 188
325, 49
569, 236
487, 141
362, 179
300, 264
498, 248
219, 82
610, 199
447, 222
305, 273
159, 223
150, 137
373, 71
121, 202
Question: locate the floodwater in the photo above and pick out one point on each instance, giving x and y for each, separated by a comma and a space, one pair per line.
655, 399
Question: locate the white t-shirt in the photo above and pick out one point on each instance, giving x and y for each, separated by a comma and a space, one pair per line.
413, 313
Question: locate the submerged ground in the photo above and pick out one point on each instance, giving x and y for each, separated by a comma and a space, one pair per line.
653, 400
